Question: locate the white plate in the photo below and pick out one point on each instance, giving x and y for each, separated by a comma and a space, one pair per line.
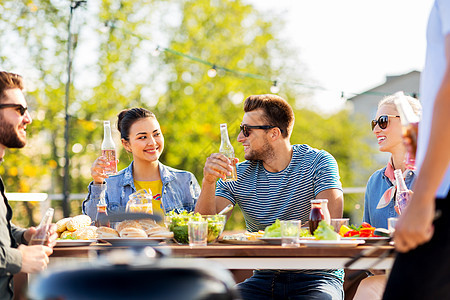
277, 240
118, 241
324, 243
368, 240
242, 242
73, 243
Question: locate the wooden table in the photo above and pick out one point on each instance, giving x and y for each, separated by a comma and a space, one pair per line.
239, 259
257, 256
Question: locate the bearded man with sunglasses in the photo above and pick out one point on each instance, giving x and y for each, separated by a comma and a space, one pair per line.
277, 181
14, 118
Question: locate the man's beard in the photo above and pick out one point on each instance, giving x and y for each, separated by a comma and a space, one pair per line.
265, 153
9, 136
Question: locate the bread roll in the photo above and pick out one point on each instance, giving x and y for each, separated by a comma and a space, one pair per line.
86, 233
155, 229
106, 232
78, 222
163, 232
147, 224
61, 225
128, 223
131, 232
66, 234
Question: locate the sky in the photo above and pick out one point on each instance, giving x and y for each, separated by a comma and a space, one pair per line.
351, 46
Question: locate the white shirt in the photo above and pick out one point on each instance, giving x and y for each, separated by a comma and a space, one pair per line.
431, 80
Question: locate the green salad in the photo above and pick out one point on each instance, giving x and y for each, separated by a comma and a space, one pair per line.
325, 232
274, 230
178, 224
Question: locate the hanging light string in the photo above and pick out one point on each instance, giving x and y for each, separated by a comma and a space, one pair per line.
275, 84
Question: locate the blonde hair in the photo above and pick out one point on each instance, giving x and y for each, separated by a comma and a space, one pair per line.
415, 103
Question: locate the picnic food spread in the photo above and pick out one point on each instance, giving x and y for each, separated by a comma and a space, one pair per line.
79, 228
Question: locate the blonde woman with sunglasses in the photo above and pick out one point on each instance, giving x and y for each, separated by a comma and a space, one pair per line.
380, 191
379, 204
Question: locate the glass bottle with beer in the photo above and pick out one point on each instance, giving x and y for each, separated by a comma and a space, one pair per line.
402, 195
101, 217
109, 149
227, 149
40, 237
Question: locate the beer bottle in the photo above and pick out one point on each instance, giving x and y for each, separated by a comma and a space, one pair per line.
109, 149
402, 194
100, 218
42, 231
227, 149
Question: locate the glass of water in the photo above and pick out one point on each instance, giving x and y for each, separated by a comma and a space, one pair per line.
198, 233
290, 231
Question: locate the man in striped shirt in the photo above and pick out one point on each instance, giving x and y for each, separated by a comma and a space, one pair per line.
277, 181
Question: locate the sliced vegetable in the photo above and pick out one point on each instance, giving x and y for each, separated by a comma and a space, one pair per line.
351, 233
366, 232
344, 229
365, 225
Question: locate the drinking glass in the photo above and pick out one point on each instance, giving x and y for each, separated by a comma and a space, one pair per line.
140, 201
198, 233
391, 225
337, 223
290, 231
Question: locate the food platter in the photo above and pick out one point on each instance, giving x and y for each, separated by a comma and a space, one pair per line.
242, 242
73, 243
118, 241
329, 243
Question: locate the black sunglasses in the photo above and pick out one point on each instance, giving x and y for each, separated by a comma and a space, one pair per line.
246, 128
382, 121
20, 108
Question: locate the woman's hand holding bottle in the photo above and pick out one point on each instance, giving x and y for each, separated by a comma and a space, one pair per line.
99, 169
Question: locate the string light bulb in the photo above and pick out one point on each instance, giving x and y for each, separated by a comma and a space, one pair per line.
274, 89
212, 72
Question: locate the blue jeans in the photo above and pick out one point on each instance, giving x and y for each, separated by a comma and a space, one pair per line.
271, 284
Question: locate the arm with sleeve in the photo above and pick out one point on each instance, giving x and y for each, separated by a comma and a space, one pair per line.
326, 174
89, 206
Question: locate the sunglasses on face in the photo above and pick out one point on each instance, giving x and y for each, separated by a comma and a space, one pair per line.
19, 107
247, 128
382, 121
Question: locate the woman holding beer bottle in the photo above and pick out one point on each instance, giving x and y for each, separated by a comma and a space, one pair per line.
141, 135
379, 204
379, 199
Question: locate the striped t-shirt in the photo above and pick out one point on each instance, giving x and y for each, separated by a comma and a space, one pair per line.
264, 196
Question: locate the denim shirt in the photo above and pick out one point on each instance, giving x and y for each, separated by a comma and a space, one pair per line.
376, 186
180, 191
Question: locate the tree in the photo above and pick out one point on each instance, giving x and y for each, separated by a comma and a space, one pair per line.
114, 69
